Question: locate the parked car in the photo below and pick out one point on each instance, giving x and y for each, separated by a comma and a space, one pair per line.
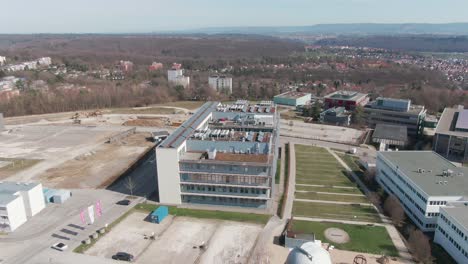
123, 256
60, 246
124, 202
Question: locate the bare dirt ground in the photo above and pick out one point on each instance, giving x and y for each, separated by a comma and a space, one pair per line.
343, 256
178, 240
98, 167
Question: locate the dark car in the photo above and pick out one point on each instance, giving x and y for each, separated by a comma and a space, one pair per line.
123, 256
124, 202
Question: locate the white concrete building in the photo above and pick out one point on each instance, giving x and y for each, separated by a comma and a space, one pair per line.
423, 181
2, 60
44, 61
19, 201
220, 83
175, 75
452, 231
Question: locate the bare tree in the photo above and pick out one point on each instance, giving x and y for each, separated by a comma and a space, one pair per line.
369, 175
420, 246
375, 198
130, 185
393, 208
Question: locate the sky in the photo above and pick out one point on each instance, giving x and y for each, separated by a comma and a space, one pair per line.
140, 16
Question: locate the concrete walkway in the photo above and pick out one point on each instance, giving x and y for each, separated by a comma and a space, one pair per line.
330, 202
343, 194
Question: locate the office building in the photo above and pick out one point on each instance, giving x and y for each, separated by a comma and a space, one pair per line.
451, 136
452, 231
222, 155
396, 112
336, 116
18, 202
423, 181
292, 98
220, 83
347, 99
390, 136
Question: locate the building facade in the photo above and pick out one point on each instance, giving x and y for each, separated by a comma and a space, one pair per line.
222, 155
292, 98
347, 99
336, 116
452, 231
18, 202
175, 75
220, 83
423, 181
396, 112
451, 136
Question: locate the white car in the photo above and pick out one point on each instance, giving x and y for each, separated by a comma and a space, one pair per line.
60, 246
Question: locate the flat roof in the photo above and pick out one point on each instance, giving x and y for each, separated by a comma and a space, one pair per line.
447, 123
391, 132
292, 95
431, 180
459, 212
345, 95
6, 198
462, 120
8, 190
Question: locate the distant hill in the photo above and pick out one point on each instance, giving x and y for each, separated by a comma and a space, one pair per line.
345, 29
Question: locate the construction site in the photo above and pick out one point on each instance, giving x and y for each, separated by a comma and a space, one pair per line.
81, 150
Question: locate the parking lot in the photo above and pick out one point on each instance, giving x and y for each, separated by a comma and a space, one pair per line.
179, 240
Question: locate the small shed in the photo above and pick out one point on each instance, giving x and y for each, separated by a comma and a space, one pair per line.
56, 196
158, 215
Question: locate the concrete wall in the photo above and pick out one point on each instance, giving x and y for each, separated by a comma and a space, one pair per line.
16, 213
444, 239
167, 160
33, 200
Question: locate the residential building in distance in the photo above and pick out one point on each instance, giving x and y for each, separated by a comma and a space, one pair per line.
175, 75
222, 155
396, 112
451, 136
44, 61
292, 98
452, 231
348, 99
220, 83
155, 66
2, 60
18, 202
336, 116
423, 181
125, 66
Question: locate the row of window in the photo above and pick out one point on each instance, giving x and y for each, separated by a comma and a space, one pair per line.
437, 202
224, 168
404, 193
431, 225
223, 200
453, 242
408, 210
432, 214
223, 189
450, 224
225, 179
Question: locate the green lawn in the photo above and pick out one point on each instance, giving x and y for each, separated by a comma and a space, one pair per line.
221, 215
366, 239
278, 171
331, 197
349, 212
316, 165
328, 189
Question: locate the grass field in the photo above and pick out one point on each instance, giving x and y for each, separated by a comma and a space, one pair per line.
317, 166
328, 189
331, 197
208, 214
366, 239
278, 171
349, 212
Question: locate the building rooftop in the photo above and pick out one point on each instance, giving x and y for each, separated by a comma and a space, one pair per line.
450, 119
346, 95
395, 105
434, 175
393, 134
459, 212
8, 190
292, 95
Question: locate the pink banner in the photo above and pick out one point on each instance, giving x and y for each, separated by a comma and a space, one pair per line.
98, 208
83, 217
